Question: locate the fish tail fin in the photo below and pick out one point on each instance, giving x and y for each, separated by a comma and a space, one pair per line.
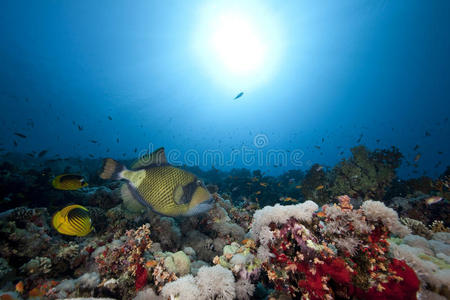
112, 169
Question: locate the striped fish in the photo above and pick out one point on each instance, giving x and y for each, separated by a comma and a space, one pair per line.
73, 220
155, 184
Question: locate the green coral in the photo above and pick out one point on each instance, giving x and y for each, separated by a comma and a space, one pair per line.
395, 240
366, 174
316, 177
442, 264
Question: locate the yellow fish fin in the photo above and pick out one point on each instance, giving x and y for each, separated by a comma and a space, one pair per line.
126, 194
178, 194
158, 157
135, 177
132, 201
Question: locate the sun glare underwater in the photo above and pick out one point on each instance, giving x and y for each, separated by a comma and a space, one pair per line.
225, 150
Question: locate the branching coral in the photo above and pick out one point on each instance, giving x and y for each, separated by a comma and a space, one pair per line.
438, 226
37, 266
24, 233
68, 251
126, 260
417, 227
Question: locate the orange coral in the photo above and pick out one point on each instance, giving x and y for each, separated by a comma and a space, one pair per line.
151, 263
344, 202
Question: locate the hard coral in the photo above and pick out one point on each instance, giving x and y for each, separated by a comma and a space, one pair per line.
37, 266
126, 260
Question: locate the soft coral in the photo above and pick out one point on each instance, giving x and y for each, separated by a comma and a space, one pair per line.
404, 286
141, 277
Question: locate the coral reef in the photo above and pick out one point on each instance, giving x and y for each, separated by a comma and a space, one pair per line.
302, 258
414, 207
241, 248
124, 259
315, 178
37, 266
366, 174
210, 283
5, 269
429, 258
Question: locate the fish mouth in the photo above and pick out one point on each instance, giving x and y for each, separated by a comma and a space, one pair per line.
210, 201
202, 207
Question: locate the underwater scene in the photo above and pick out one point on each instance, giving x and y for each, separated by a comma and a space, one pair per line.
256, 149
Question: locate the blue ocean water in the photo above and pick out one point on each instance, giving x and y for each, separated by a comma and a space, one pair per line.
114, 78
289, 117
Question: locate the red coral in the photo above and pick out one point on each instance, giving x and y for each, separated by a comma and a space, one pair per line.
336, 268
141, 277
313, 285
405, 286
375, 235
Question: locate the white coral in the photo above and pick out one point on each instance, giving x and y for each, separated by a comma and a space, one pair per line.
68, 252
244, 289
349, 244
182, 288
280, 214
147, 294
88, 280
427, 271
216, 283
377, 211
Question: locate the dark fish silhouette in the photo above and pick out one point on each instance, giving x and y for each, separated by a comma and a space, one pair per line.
359, 139
80, 127
109, 118
20, 135
42, 153
93, 141
239, 95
